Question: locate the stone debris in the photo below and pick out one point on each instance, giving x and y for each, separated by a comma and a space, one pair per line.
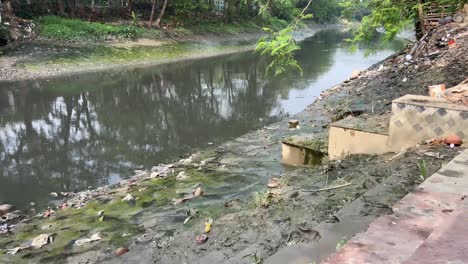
15, 250
42, 240
85, 241
128, 198
121, 251
293, 123
5, 208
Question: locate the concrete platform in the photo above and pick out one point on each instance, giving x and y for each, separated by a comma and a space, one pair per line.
428, 225
358, 135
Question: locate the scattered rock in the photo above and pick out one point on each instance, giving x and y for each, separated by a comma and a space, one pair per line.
48, 213
121, 251
273, 183
42, 240
4, 229
54, 194
128, 198
15, 250
181, 176
6, 208
293, 123
355, 74
198, 192
85, 241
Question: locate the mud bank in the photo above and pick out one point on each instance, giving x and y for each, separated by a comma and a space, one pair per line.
45, 59
158, 214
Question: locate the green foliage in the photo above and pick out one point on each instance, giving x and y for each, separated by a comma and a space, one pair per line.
391, 16
262, 199
325, 10
354, 10
279, 48
422, 165
185, 8
281, 9
54, 27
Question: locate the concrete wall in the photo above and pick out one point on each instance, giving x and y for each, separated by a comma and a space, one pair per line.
419, 118
344, 142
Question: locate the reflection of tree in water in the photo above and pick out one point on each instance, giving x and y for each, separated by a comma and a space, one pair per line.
42, 146
70, 133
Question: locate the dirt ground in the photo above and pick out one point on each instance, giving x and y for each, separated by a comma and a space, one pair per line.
251, 223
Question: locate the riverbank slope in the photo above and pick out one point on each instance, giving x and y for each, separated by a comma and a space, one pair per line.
161, 213
42, 59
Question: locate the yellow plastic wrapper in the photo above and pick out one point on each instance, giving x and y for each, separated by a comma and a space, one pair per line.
208, 224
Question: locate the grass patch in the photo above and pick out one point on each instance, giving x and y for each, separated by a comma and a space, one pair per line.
59, 28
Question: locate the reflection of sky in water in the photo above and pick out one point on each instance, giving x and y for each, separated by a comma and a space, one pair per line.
344, 63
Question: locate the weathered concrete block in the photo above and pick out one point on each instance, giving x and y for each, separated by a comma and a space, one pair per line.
419, 118
358, 135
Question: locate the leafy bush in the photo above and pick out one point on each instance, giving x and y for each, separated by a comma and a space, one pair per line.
59, 28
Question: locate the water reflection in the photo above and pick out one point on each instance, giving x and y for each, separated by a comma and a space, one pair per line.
69, 133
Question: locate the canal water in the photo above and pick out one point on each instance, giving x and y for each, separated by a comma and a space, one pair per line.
87, 130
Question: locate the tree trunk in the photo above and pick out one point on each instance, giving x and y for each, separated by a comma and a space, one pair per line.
7, 9
129, 6
421, 17
155, 3
72, 6
161, 14
61, 8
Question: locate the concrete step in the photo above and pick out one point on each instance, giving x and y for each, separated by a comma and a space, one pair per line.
396, 238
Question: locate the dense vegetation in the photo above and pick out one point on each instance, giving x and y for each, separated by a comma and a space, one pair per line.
391, 16
101, 20
78, 20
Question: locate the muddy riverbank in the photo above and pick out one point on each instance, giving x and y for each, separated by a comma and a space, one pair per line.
44, 59
158, 214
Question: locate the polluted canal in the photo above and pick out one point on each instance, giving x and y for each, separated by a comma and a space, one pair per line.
68, 134
71, 133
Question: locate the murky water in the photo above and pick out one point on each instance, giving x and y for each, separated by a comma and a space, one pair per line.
69, 133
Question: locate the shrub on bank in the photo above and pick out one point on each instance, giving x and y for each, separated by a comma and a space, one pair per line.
59, 28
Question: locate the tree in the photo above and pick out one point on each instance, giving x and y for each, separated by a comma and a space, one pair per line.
161, 14
153, 7
279, 47
391, 16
